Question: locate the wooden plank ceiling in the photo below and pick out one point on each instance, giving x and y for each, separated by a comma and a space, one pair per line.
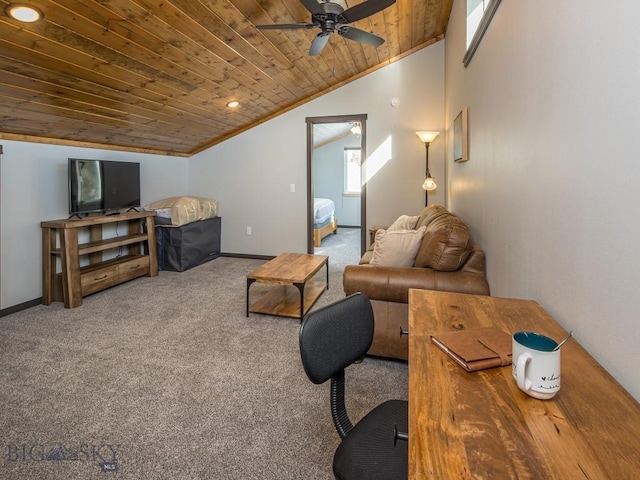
156, 75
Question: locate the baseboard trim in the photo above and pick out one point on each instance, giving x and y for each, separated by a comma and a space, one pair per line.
38, 301
21, 306
249, 256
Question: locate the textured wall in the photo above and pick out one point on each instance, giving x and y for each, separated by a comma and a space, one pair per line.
551, 187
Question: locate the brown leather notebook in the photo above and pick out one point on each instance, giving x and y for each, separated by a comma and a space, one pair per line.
476, 349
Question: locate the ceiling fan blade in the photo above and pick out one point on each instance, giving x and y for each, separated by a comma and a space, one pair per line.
318, 43
286, 26
312, 5
364, 9
361, 36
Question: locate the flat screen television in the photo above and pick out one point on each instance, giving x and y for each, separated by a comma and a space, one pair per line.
103, 186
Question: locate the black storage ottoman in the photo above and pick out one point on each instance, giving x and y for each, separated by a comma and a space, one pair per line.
187, 246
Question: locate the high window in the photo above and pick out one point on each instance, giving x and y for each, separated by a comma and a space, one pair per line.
475, 11
479, 15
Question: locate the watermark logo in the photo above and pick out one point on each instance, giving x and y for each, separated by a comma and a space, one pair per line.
103, 455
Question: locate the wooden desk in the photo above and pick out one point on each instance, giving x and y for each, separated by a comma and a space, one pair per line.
480, 425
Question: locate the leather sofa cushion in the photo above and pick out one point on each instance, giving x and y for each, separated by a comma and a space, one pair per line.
446, 244
429, 214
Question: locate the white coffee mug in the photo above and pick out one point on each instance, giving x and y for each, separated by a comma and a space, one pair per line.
536, 365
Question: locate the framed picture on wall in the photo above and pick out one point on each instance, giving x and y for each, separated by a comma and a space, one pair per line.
460, 137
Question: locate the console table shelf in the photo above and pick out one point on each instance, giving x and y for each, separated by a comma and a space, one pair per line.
73, 281
92, 247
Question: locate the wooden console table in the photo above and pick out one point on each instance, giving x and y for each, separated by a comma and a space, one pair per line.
480, 425
74, 281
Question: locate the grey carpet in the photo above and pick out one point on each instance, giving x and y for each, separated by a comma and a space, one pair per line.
343, 248
170, 374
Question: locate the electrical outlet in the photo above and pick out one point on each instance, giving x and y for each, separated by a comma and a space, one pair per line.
248, 230
292, 188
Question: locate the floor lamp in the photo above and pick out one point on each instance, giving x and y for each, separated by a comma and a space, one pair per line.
429, 183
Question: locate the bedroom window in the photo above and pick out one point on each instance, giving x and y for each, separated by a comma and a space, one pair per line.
352, 164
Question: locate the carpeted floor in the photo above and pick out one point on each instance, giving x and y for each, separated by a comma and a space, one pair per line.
343, 248
165, 378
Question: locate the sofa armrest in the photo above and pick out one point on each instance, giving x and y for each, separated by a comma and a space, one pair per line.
475, 263
372, 235
392, 284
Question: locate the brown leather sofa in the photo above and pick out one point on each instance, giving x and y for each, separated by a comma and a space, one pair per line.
447, 260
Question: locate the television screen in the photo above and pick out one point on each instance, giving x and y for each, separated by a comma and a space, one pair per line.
102, 186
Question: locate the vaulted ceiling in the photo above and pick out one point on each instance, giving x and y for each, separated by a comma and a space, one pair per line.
156, 75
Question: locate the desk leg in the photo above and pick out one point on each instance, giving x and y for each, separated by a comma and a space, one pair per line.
249, 283
300, 287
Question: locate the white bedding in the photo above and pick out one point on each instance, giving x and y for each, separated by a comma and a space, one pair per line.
323, 209
178, 211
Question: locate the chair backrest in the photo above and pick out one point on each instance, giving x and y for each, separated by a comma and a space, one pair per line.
335, 336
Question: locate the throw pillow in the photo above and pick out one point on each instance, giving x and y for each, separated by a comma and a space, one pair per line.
397, 248
404, 222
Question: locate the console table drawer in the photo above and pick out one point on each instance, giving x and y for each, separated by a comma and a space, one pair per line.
98, 279
136, 267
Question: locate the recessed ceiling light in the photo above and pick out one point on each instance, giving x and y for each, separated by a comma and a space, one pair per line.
233, 104
24, 13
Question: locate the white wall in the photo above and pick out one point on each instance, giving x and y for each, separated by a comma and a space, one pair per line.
551, 188
328, 179
250, 174
33, 180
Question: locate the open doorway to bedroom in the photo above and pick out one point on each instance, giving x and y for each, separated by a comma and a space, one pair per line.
336, 193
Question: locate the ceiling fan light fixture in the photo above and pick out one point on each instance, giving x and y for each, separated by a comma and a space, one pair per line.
233, 104
23, 12
330, 16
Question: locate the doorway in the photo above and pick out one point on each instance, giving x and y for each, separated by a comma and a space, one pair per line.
313, 140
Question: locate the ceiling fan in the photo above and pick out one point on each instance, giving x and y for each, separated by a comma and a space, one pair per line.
331, 17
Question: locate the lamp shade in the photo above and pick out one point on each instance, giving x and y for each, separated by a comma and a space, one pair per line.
429, 184
427, 137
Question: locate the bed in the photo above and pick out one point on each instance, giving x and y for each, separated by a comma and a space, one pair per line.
324, 221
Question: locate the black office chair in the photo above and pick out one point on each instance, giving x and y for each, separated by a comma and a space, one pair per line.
332, 338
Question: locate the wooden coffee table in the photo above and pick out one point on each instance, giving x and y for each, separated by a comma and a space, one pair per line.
295, 288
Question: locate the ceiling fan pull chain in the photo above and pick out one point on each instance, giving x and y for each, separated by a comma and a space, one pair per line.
334, 59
